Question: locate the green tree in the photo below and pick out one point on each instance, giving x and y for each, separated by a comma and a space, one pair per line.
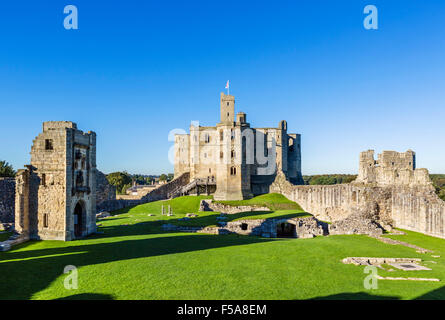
442, 194
125, 187
6, 170
163, 177
327, 179
119, 180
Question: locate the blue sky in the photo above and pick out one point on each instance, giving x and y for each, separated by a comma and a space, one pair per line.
134, 70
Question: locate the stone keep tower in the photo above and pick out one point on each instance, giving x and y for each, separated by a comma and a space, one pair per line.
56, 194
241, 161
227, 109
232, 174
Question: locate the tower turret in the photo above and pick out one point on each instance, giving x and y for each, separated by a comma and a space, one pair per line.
227, 108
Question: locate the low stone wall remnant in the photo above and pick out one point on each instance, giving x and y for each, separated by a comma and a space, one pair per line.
210, 205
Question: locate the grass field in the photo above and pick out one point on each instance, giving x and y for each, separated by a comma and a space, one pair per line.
273, 201
134, 259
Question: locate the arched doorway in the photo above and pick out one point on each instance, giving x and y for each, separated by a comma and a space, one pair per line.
286, 230
78, 220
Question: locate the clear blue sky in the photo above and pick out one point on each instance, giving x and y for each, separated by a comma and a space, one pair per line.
134, 70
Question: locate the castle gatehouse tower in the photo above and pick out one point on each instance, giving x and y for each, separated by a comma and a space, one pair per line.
56, 194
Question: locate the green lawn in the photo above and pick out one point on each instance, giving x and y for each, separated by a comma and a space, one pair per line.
273, 201
134, 259
183, 205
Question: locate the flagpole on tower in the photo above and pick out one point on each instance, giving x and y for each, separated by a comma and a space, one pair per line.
228, 87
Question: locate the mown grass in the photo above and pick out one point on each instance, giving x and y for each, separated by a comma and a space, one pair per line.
273, 201
179, 205
134, 259
183, 205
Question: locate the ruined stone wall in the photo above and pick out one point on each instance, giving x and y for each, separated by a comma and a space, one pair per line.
117, 204
325, 202
162, 192
391, 168
104, 190
415, 208
419, 209
209, 205
7, 200
159, 193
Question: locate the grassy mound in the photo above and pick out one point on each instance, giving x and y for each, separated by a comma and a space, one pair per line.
190, 204
180, 205
274, 201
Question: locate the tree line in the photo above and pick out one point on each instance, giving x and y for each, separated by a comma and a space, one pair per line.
6, 170
439, 184
123, 180
329, 179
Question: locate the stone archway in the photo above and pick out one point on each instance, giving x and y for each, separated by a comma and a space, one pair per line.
286, 230
79, 219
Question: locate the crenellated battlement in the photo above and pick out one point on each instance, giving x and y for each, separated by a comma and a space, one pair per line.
391, 168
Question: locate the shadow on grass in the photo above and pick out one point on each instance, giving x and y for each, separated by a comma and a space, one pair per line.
437, 294
88, 296
355, 296
37, 268
4, 235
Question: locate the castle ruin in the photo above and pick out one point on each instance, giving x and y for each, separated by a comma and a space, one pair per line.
56, 193
241, 161
391, 168
390, 189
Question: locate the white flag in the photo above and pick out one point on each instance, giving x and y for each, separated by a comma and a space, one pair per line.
227, 85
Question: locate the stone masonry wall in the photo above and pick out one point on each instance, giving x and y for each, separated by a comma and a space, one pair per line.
7, 200
105, 193
419, 210
162, 192
104, 190
209, 205
307, 227
413, 208
326, 202
157, 194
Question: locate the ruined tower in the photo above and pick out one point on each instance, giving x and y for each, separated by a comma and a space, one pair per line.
391, 168
56, 194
